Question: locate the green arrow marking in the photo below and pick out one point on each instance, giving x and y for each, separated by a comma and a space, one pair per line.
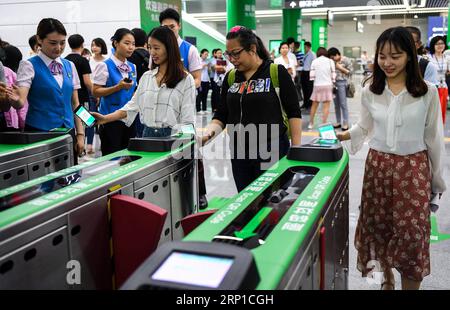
435, 235
248, 230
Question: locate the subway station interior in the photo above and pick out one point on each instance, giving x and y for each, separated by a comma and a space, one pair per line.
224, 145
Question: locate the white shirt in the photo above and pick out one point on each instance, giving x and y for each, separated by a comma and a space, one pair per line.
195, 61
25, 73
94, 63
323, 71
162, 106
291, 64
292, 59
402, 125
101, 74
443, 66
205, 71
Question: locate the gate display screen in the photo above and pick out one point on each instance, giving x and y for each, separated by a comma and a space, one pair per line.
193, 269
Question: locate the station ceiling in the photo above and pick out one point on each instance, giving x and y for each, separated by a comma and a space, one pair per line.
214, 6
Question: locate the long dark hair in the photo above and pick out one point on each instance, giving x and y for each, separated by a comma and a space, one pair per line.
247, 38
402, 40
175, 69
49, 25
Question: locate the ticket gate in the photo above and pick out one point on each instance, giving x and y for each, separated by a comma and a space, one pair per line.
26, 156
292, 222
61, 220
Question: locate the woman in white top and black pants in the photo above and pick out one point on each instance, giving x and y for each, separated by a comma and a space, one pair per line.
400, 113
165, 96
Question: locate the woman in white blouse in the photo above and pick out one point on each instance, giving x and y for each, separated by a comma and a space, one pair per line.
400, 113
284, 60
165, 96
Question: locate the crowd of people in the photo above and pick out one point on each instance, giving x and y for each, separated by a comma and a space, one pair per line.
153, 83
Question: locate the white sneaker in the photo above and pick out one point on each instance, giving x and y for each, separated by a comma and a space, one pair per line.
310, 126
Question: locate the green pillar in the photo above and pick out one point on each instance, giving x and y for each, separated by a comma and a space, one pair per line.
319, 34
292, 24
448, 26
242, 13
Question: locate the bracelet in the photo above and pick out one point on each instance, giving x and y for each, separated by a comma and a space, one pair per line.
80, 134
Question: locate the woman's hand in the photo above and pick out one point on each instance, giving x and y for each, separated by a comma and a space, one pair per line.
13, 93
124, 85
343, 136
100, 118
4, 101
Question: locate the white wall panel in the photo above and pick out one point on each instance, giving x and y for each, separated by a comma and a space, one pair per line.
90, 18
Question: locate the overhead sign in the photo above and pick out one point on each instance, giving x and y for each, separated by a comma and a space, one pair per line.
437, 26
150, 10
305, 4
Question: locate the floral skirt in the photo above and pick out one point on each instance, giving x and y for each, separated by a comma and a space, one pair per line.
394, 223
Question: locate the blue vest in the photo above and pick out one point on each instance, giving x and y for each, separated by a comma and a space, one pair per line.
50, 106
114, 102
184, 51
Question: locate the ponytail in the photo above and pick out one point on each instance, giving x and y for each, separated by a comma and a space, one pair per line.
263, 53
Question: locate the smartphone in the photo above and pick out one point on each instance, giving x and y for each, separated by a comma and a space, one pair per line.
85, 116
127, 80
326, 132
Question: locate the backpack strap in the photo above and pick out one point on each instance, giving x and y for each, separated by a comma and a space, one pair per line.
274, 75
276, 85
231, 77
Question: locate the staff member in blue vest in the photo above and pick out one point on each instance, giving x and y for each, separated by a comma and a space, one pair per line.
50, 83
189, 53
115, 82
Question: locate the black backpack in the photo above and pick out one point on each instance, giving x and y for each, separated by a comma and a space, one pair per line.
423, 63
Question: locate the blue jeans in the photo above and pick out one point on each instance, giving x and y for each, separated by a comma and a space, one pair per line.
340, 102
152, 132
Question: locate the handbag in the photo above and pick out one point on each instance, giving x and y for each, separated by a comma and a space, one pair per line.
350, 89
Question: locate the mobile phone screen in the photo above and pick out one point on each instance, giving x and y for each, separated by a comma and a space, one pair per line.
327, 132
85, 116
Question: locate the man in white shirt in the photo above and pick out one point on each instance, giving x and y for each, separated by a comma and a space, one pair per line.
189, 53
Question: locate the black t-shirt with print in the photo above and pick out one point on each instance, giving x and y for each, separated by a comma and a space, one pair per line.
256, 102
83, 67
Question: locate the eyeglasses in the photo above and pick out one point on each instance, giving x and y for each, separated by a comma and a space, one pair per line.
234, 55
440, 43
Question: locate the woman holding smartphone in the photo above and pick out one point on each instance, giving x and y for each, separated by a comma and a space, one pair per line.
165, 96
400, 113
50, 85
115, 82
